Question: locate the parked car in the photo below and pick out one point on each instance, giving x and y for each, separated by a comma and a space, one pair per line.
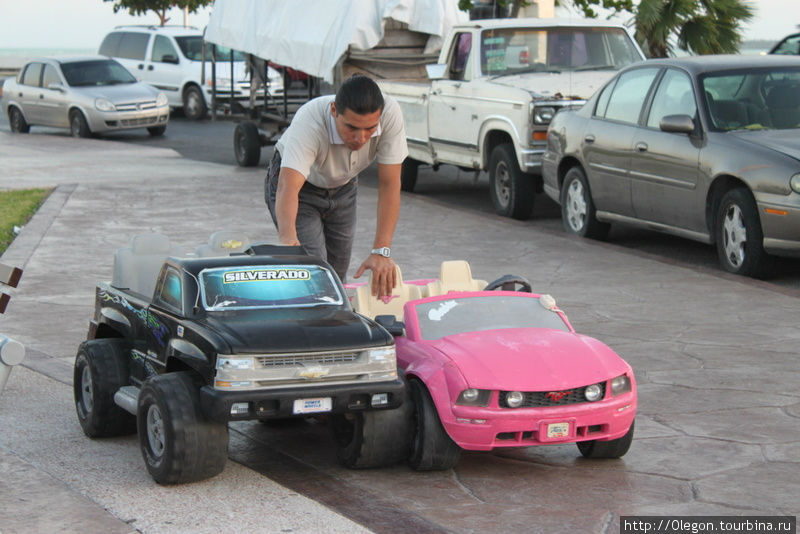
701, 147
171, 59
788, 46
85, 94
494, 365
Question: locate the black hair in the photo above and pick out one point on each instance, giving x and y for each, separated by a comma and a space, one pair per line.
360, 95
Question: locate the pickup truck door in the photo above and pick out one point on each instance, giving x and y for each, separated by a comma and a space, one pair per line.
453, 129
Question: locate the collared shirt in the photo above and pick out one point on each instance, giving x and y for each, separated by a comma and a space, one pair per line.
312, 145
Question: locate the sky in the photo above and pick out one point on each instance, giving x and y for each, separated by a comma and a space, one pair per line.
82, 24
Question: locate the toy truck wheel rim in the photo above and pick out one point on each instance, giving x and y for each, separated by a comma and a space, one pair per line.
155, 431
87, 390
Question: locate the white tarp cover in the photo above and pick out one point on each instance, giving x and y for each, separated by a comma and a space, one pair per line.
312, 35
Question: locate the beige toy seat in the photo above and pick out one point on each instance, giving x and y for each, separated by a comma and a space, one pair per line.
223, 243
137, 266
454, 275
368, 305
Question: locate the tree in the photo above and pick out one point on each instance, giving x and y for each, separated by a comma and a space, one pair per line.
159, 7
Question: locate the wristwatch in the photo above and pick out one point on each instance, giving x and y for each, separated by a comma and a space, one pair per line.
386, 252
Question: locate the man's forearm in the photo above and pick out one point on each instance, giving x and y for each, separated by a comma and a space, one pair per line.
286, 205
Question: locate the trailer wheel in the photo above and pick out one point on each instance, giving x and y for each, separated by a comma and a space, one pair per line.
247, 144
178, 443
408, 174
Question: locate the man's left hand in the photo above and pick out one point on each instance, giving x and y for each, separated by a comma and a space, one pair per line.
384, 276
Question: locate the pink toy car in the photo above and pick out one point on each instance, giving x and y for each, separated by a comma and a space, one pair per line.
489, 367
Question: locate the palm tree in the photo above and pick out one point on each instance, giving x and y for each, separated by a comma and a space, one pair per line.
701, 26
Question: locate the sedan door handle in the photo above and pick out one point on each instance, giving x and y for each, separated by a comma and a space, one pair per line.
140, 66
641, 147
41, 97
589, 138
149, 67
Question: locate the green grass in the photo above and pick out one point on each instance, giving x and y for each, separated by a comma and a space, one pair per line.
16, 209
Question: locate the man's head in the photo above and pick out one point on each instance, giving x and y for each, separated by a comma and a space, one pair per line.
357, 110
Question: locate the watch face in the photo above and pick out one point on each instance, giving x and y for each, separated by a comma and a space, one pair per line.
383, 251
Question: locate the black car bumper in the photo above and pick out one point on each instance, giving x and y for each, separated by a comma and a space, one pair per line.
273, 403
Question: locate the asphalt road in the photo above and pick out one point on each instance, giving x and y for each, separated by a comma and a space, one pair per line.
212, 141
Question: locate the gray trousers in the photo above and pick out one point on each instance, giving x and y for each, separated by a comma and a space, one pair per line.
326, 218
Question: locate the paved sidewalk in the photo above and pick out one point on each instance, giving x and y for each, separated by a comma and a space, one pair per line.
715, 357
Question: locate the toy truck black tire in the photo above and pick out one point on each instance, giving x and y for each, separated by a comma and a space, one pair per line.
376, 438
178, 443
100, 370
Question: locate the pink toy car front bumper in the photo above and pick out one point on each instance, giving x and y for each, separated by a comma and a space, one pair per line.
482, 429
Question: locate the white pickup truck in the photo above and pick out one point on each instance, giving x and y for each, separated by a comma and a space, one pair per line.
493, 92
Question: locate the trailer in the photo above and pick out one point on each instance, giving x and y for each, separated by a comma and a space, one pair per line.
327, 41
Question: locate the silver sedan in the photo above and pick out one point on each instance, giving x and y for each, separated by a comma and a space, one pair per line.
87, 95
701, 147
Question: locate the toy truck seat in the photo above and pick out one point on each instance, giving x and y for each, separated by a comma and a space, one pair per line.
370, 306
223, 243
136, 267
454, 275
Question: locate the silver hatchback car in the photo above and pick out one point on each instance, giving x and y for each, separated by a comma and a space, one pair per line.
87, 95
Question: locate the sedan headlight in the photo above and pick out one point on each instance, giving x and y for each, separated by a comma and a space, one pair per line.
474, 397
238, 364
161, 99
103, 104
795, 183
620, 385
543, 115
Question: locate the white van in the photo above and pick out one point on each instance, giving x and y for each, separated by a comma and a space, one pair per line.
170, 59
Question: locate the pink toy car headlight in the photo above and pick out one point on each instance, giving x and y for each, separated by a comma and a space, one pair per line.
620, 384
474, 397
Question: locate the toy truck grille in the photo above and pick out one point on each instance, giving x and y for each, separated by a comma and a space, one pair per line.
289, 360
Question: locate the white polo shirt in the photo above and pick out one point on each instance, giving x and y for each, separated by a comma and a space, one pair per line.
312, 146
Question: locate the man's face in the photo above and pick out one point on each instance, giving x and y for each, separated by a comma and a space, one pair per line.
354, 129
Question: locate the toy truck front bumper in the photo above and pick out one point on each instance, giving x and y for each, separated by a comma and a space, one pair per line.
280, 402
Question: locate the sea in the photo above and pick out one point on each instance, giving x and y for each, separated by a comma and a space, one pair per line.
14, 58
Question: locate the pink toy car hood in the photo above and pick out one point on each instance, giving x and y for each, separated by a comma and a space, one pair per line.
530, 359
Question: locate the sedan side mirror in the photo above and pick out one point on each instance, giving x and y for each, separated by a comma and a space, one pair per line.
56, 86
436, 71
391, 324
677, 124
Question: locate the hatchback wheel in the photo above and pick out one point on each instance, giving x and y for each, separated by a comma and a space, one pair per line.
739, 235
577, 207
17, 121
78, 126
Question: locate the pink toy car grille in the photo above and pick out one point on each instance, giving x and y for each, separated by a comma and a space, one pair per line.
539, 399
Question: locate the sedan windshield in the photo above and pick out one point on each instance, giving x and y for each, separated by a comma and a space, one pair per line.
753, 99
267, 286
516, 50
440, 318
95, 72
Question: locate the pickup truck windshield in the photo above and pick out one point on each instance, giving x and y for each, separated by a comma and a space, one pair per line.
516, 50
267, 286
440, 318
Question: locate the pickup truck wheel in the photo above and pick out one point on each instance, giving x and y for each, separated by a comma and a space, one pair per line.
432, 449
512, 190
408, 174
178, 443
100, 370
247, 144
615, 448
194, 105
577, 207
375, 438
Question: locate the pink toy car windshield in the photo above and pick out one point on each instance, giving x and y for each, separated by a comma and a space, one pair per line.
267, 286
440, 318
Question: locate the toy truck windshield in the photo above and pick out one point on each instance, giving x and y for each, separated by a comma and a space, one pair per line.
268, 286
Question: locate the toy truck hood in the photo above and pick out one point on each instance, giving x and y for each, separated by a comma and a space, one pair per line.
569, 84
530, 359
298, 330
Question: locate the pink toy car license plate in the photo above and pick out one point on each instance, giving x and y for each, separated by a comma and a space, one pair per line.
322, 404
557, 430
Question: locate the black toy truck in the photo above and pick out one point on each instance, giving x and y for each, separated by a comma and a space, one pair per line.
181, 345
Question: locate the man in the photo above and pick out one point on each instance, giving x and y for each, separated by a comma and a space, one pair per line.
312, 179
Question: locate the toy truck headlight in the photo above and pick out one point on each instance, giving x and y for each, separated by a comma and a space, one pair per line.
382, 355
238, 364
620, 385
